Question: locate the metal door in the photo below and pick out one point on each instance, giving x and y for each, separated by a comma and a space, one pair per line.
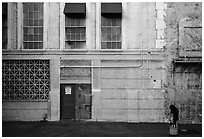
76, 101
67, 101
83, 101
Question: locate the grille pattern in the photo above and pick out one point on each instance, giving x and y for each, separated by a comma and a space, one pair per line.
25, 80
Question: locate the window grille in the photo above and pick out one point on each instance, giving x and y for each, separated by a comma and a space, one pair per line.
25, 80
75, 30
111, 32
33, 25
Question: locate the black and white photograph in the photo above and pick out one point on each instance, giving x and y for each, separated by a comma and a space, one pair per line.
101, 68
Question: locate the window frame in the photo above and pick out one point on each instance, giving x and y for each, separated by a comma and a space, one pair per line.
32, 27
20, 27
82, 15
111, 26
75, 27
100, 29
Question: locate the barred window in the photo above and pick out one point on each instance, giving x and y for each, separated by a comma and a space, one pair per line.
75, 30
25, 80
4, 25
111, 32
32, 25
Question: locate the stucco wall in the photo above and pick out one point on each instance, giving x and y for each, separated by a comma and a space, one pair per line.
141, 25
35, 110
24, 111
179, 15
119, 94
132, 94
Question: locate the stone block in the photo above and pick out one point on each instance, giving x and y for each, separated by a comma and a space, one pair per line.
160, 24
122, 83
114, 94
151, 115
133, 115
113, 115
133, 104
160, 14
151, 104
160, 34
114, 103
160, 43
161, 5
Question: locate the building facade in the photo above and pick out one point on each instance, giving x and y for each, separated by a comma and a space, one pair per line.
96, 61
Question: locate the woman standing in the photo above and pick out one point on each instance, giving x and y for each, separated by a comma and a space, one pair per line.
173, 131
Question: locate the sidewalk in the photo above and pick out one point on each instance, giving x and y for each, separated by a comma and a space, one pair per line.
71, 128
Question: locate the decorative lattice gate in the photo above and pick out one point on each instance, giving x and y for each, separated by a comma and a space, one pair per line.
25, 80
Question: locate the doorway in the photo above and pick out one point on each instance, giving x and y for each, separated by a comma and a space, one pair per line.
75, 101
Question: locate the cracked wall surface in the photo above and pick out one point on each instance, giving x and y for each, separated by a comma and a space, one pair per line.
183, 86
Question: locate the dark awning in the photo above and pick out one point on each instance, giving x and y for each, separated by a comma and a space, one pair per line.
75, 8
111, 8
4, 9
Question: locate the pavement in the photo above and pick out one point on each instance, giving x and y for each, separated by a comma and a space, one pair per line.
71, 128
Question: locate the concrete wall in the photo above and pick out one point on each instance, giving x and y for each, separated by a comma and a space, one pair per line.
180, 72
35, 110
142, 23
119, 94
132, 94
24, 111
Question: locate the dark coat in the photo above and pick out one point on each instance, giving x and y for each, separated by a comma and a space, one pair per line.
175, 113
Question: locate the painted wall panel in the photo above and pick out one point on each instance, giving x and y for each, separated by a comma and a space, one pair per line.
114, 103
133, 116
24, 111
151, 94
133, 90
114, 94
134, 25
114, 114
151, 115
23, 115
24, 105
141, 25
128, 73
53, 25
67, 73
122, 83
133, 104
151, 103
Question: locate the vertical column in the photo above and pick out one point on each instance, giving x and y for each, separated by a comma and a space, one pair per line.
90, 25
124, 11
45, 24
96, 90
55, 89
160, 24
62, 26
98, 25
12, 25
53, 26
19, 25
